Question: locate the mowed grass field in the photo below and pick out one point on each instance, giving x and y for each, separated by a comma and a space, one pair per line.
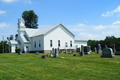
32, 67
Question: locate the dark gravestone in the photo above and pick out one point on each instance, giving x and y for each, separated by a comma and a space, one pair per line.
86, 49
56, 53
98, 48
36, 53
20, 52
74, 54
117, 50
53, 51
82, 50
107, 53
44, 56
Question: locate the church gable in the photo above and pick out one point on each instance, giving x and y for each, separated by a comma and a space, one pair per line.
49, 29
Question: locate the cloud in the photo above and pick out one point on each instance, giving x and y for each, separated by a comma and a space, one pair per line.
86, 35
80, 25
100, 27
110, 13
28, 1
117, 9
76, 30
95, 32
85, 21
2, 12
3, 25
116, 22
107, 14
8, 1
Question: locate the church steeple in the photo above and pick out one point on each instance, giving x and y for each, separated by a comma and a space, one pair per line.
21, 22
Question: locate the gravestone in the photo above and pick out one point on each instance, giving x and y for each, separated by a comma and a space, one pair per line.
70, 51
82, 50
56, 53
58, 49
65, 51
86, 49
114, 50
98, 48
44, 56
106, 46
20, 52
74, 54
117, 50
95, 49
51, 53
36, 53
107, 53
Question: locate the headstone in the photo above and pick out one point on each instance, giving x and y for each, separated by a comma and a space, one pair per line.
82, 50
58, 49
44, 56
36, 53
51, 53
20, 52
106, 46
70, 51
117, 50
114, 50
74, 54
98, 48
95, 49
56, 53
107, 53
65, 51
86, 49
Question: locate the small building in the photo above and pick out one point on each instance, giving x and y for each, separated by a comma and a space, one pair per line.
43, 40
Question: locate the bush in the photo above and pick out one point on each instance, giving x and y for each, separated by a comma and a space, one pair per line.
17, 50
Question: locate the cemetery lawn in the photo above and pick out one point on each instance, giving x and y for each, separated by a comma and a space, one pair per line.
32, 67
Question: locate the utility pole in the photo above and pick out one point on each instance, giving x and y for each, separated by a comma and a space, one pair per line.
3, 44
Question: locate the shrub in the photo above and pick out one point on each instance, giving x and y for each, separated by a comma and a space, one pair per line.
17, 50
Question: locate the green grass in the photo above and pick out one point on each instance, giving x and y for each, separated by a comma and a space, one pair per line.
32, 67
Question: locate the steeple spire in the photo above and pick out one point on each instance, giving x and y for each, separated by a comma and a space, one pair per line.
21, 22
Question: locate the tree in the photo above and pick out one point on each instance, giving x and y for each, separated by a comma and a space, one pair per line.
30, 18
10, 38
6, 47
109, 41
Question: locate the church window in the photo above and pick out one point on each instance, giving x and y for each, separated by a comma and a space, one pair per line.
50, 43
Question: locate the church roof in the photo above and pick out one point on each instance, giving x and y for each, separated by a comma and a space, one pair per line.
37, 32
13, 42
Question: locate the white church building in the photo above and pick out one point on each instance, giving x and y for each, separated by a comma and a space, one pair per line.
43, 40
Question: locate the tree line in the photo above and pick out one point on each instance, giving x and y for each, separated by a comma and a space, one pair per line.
109, 41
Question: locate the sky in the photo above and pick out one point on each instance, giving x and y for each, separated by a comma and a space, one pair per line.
86, 19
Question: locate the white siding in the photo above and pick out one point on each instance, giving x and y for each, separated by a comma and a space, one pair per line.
33, 48
79, 43
59, 33
13, 47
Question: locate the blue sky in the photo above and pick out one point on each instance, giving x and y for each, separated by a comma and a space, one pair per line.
86, 19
